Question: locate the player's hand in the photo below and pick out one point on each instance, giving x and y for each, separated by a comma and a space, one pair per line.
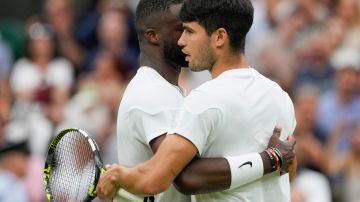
287, 148
288, 152
107, 186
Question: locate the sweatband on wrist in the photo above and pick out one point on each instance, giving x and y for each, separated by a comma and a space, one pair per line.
245, 168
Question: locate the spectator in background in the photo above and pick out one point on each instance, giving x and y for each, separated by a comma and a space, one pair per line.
38, 82
95, 104
313, 67
343, 102
108, 26
113, 34
37, 76
335, 31
349, 12
279, 63
306, 132
132, 4
6, 60
310, 184
85, 31
345, 163
13, 167
60, 15
2, 129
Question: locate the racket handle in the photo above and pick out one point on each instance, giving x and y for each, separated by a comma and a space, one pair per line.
129, 196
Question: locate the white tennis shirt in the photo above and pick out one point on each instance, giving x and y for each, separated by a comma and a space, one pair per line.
235, 114
146, 111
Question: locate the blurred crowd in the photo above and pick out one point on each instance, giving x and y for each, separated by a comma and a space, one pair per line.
58, 70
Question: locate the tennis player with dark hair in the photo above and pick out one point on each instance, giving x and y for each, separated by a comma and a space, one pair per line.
215, 120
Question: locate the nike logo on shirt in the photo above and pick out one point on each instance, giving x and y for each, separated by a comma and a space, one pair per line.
246, 163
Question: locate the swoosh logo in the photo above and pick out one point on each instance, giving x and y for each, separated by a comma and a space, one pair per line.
246, 163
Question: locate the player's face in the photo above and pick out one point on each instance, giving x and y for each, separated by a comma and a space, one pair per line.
196, 44
172, 32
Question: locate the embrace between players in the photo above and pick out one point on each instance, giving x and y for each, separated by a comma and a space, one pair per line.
218, 143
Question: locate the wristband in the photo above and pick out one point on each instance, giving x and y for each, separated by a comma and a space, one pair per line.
245, 168
279, 154
272, 160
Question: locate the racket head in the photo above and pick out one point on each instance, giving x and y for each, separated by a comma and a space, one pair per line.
73, 167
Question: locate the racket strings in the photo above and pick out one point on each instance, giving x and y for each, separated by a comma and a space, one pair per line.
74, 170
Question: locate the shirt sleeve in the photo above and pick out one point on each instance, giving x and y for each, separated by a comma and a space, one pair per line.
198, 123
150, 125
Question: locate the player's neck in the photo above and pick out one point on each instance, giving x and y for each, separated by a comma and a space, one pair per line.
228, 62
156, 61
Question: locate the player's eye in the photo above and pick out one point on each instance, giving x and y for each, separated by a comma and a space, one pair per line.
188, 31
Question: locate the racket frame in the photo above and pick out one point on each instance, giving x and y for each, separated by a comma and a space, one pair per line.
50, 162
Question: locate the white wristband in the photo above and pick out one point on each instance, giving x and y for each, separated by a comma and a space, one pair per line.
245, 168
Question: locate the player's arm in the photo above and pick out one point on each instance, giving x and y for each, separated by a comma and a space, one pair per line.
203, 175
153, 176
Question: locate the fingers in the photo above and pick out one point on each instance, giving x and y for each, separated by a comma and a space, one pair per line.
106, 187
290, 138
277, 131
108, 166
274, 139
289, 158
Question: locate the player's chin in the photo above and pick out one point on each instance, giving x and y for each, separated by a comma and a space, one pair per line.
196, 68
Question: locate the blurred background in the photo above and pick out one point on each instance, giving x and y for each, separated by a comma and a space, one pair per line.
65, 63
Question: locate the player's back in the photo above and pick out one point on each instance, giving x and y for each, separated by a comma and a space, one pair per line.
248, 106
146, 111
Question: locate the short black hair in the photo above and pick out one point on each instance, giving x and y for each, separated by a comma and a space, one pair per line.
236, 16
146, 8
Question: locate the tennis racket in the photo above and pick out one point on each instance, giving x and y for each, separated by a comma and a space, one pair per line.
73, 167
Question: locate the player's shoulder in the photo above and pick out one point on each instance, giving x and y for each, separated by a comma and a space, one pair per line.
203, 98
270, 86
148, 91
146, 80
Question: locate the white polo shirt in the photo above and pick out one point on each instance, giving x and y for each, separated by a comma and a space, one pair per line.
146, 111
235, 114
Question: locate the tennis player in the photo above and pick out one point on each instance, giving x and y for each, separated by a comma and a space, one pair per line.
223, 123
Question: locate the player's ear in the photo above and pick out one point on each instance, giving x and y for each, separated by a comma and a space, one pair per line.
220, 37
152, 36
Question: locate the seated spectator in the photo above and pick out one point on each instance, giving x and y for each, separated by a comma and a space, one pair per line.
38, 82
36, 77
